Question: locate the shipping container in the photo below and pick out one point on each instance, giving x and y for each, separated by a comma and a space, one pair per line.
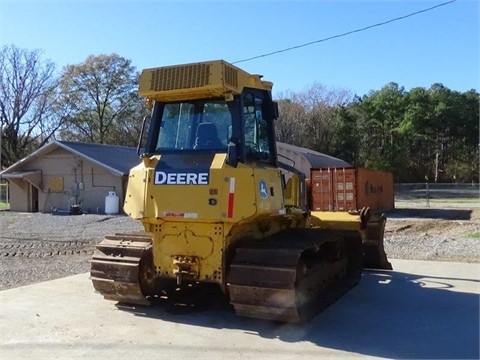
321, 183
305, 159
344, 189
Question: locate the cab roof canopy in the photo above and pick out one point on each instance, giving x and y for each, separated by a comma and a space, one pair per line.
210, 79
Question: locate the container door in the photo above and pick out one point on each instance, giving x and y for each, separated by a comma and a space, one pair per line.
322, 195
344, 188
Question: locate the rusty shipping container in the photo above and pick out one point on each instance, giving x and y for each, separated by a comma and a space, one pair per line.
344, 189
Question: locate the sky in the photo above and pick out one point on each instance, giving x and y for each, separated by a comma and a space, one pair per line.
438, 46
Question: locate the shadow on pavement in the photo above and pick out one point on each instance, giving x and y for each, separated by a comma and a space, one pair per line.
390, 314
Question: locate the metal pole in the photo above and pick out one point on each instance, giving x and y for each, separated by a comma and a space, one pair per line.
427, 193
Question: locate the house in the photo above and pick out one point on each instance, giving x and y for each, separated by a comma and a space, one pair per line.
65, 175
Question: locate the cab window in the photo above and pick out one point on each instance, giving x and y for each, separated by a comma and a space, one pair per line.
198, 125
256, 128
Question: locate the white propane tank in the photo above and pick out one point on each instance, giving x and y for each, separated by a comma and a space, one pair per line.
111, 203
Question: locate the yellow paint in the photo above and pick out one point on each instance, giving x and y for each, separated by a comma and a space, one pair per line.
135, 194
199, 241
197, 81
338, 220
190, 235
192, 229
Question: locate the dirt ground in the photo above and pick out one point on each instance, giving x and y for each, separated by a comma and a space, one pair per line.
39, 247
421, 222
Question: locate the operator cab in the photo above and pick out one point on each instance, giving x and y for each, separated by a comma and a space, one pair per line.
241, 126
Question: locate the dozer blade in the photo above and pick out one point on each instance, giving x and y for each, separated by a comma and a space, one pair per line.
122, 268
374, 252
370, 225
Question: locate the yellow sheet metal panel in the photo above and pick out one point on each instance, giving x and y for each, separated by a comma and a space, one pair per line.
135, 194
335, 220
292, 192
171, 198
188, 246
268, 192
211, 79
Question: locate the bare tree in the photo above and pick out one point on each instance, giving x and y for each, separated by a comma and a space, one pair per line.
98, 95
27, 102
308, 118
291, 116
128, 125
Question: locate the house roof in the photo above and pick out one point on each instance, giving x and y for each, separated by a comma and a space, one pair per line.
306, 159
116, 159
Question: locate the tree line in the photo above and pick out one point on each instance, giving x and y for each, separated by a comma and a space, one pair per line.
417, 134
95, 101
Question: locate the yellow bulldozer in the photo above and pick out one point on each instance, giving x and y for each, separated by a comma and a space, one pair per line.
218, 206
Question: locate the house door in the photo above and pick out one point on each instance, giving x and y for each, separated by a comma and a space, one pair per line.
34, 198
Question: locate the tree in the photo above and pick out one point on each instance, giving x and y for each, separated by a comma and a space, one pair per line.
418, 127
100, 98
443, 131
383, 140
456, 133
347, 139
321, 123
127, 126
27, 102
308, 118
291, 114
421, 133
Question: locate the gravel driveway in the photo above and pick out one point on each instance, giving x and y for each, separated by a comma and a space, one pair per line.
37, 247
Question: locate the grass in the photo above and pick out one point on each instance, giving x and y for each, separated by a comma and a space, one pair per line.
475, 235
4, 205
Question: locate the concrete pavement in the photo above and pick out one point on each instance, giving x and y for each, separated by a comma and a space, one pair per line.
420, 310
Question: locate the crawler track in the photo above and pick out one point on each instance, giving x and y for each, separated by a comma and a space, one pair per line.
293, 275
122, 268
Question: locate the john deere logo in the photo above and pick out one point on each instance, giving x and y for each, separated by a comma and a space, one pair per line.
262, 186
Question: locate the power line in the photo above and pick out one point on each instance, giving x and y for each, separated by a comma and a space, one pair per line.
347, 33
